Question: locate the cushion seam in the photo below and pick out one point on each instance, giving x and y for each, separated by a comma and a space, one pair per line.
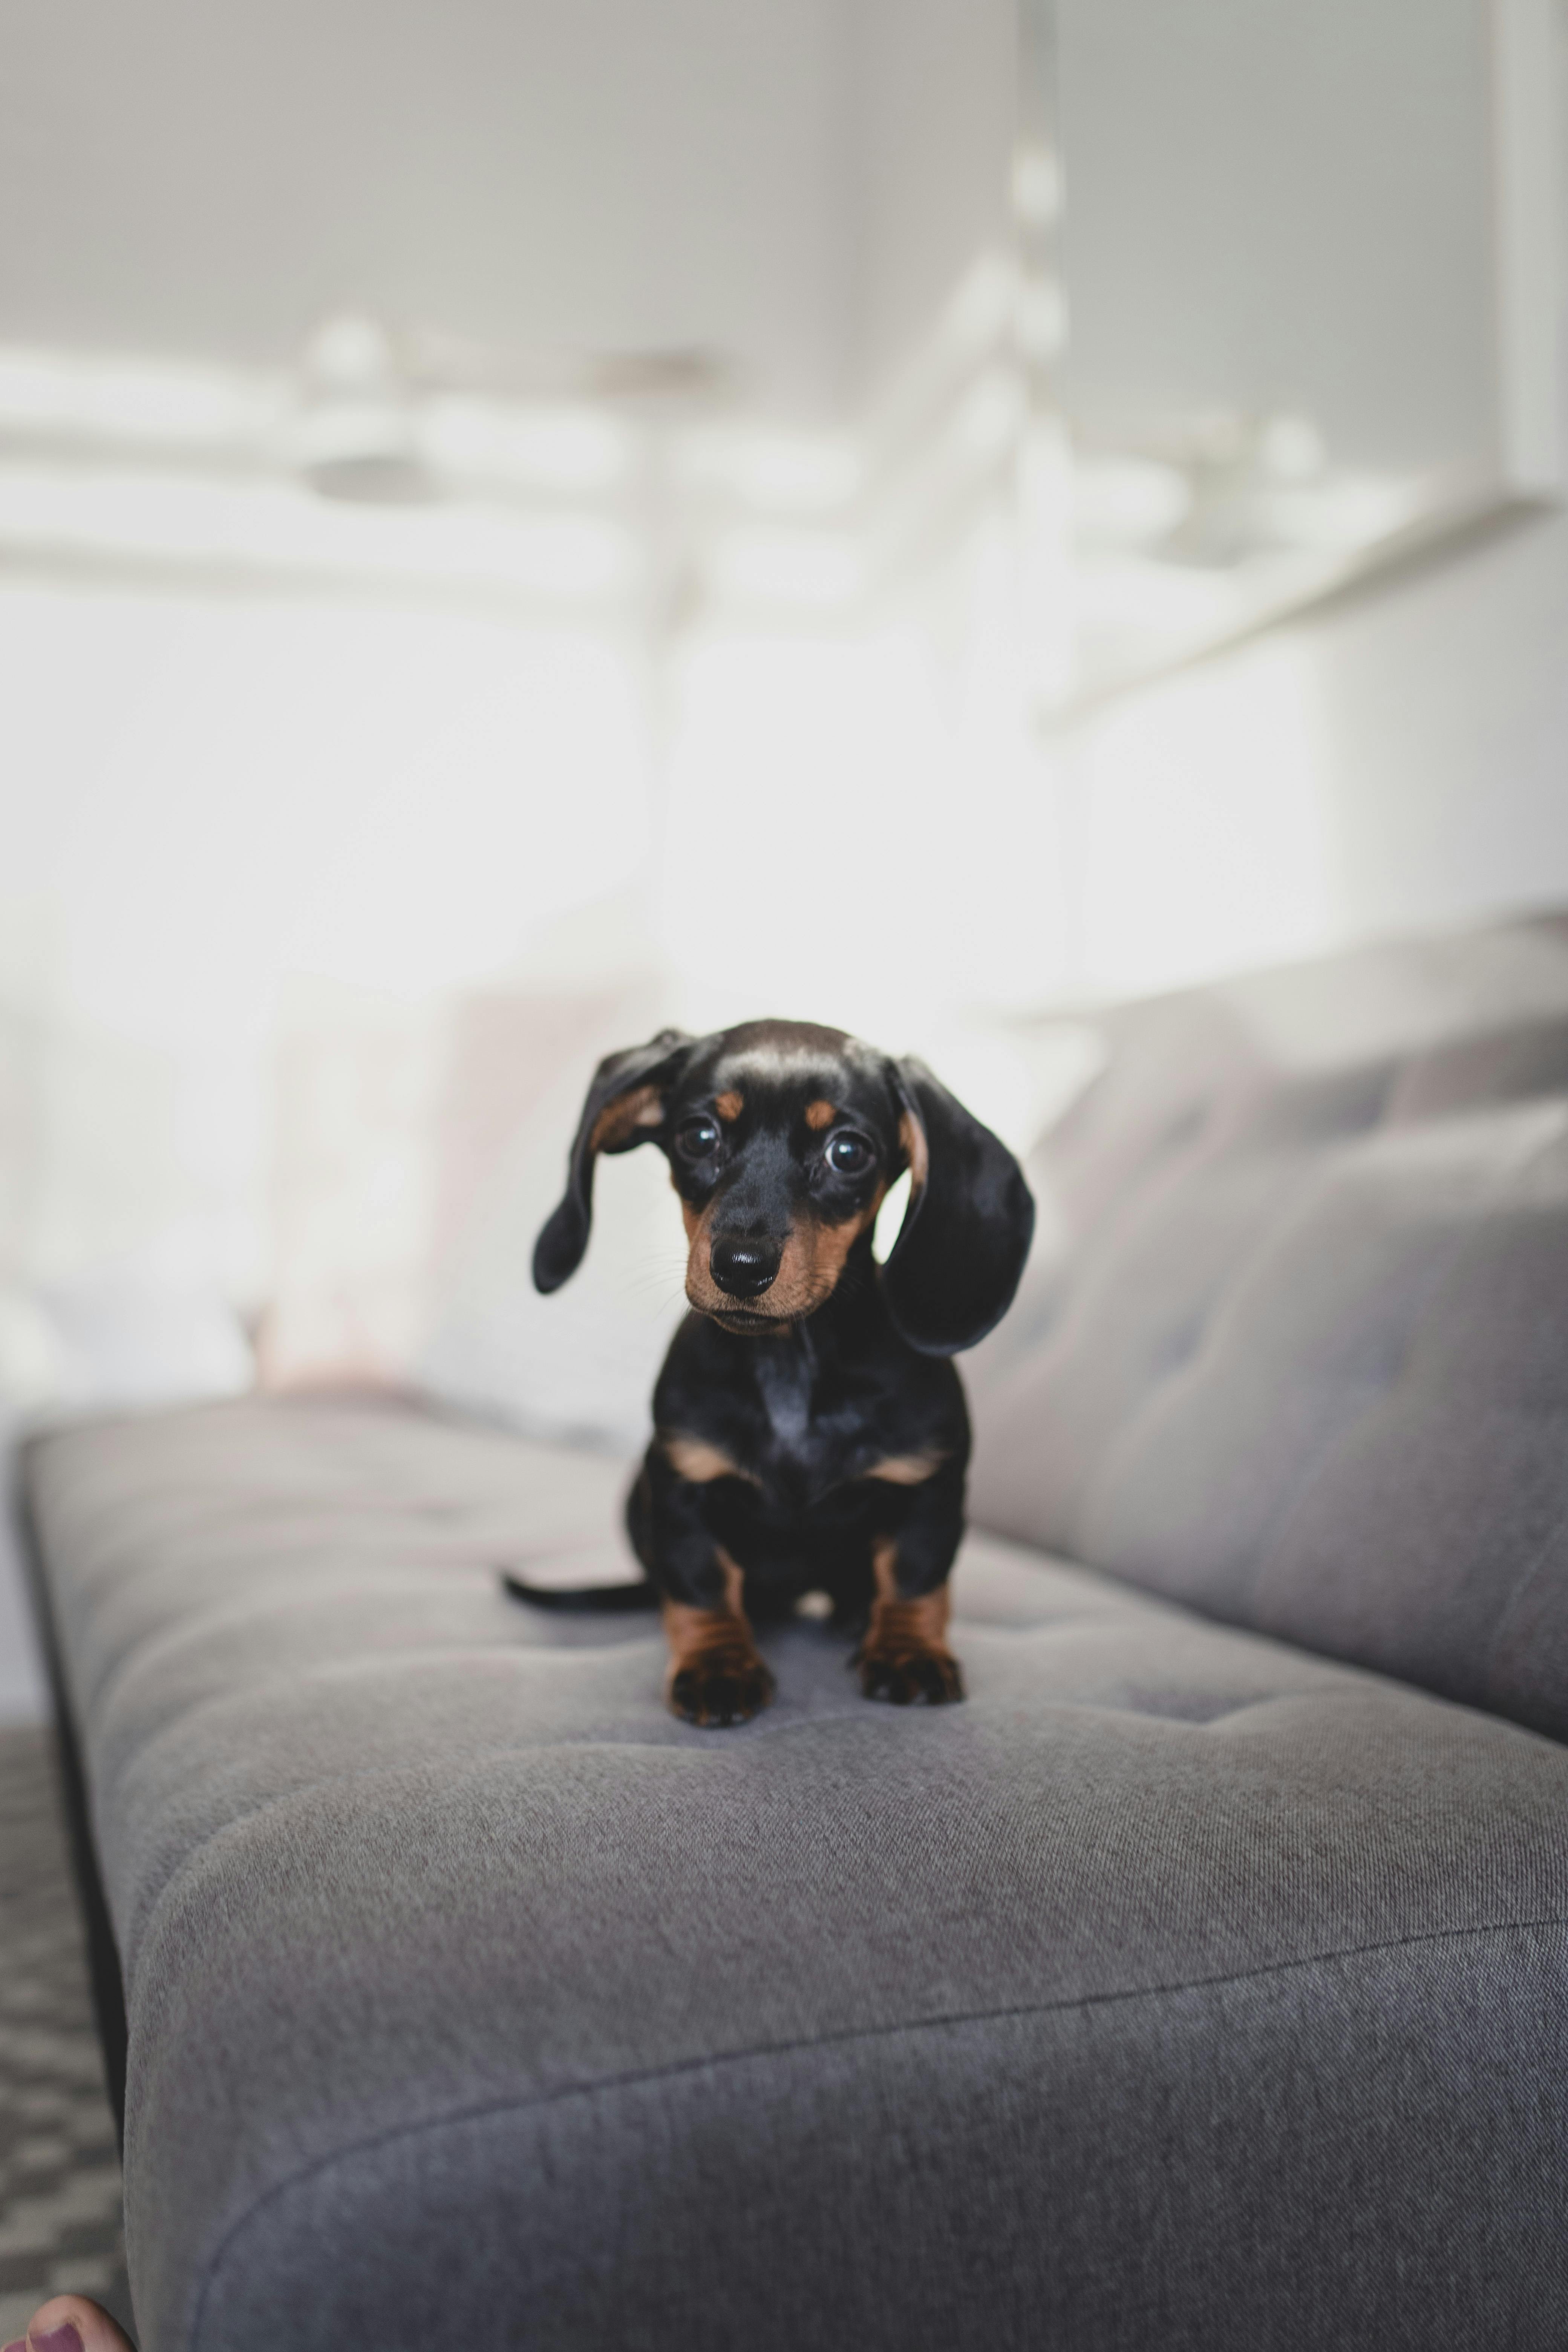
144, 1910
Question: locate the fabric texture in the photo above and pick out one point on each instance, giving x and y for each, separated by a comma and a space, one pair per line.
1181, 1988
1291, 1350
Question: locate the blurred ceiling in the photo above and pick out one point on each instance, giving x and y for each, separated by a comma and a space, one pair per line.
526, 177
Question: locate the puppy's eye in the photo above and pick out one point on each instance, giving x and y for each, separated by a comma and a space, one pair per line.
849, 1155
696, 1137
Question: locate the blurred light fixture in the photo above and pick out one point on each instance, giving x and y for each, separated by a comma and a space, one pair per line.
396, 456
395, 415
358, 431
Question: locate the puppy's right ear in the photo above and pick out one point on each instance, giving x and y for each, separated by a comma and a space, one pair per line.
625, 1105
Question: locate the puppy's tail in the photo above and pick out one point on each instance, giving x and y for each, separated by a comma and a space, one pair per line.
606, 1599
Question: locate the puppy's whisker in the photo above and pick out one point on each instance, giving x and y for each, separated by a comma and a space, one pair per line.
655, 1278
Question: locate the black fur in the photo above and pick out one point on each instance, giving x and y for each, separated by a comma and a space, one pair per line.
957, 1261
806, 1369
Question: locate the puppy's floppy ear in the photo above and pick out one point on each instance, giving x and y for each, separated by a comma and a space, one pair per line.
967, 1230
625, 1105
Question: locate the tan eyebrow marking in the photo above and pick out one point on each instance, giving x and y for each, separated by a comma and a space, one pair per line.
694, 1458
730, 1105
906, 1469
820, 1114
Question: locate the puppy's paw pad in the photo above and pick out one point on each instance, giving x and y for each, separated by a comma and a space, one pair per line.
729, 1688
925, 1676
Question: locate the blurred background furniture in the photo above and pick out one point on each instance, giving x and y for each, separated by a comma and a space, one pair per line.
1200, 1982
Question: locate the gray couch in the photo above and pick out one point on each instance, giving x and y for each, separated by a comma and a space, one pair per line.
1200, 1986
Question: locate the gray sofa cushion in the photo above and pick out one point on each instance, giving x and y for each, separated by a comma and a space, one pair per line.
1294, 1348
1181, 1990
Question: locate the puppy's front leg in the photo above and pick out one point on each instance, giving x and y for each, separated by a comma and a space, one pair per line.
716, 1676
904, 1656
715, 1673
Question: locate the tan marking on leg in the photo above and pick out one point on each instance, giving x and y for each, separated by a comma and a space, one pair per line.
885, 1567
693, 1632
619, 1120
905, 1653
730, 1105
734, 1585
906, 1469
912, 1136
910, 1624
716, 1645
819, 1115
695, 1459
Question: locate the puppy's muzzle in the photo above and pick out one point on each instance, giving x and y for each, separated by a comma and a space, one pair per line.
744, 1266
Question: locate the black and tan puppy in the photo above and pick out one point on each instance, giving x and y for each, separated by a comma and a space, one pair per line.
810, 1435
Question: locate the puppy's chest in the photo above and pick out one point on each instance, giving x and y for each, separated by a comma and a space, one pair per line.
815, 1434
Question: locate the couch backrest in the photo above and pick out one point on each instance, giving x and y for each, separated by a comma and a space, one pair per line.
1293, 1345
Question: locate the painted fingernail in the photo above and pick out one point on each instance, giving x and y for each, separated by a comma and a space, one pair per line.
17, 2346
66, 2337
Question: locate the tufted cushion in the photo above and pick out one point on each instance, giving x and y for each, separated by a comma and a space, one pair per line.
1294, 1348
1178, 1989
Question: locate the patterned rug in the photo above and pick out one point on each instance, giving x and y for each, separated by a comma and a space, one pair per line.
60, 2177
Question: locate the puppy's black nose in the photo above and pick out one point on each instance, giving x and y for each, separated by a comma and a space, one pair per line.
744, 1267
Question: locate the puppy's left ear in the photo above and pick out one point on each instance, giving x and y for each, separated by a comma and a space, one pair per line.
967, 1230
624, 1105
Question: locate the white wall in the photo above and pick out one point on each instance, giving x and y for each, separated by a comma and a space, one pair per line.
933, 115
1396, 760
1445, 713
547, 176
1281, 208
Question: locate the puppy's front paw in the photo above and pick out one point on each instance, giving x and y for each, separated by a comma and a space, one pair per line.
720, 1686
909, 1674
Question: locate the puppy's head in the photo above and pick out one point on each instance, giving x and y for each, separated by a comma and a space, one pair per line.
782, 1139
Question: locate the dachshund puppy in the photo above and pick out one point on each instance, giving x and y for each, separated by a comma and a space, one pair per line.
809, 1433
